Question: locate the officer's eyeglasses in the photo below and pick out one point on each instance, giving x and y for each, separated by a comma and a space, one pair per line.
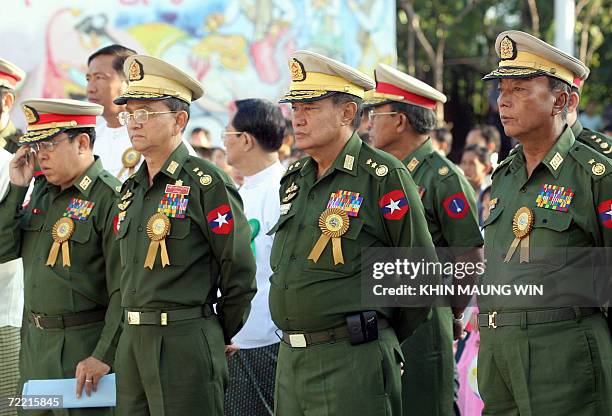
140, 116
372, 114
227, 134
47, 145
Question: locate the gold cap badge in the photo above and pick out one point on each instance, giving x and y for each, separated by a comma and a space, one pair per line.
30, 114
136, 71
298, 73
507, 49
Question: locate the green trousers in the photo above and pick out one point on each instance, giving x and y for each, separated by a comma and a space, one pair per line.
560, 368
340, 379
55, 353
428, 379
178, 369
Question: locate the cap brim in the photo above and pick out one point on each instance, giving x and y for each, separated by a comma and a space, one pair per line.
305, 96
39, 135
513, 72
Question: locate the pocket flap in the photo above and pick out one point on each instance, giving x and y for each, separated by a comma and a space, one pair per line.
553, 220
355, 225
281, 220
82, 231
123, 227
179, 228
493, 215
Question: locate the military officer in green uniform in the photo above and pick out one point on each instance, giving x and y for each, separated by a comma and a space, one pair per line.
183, 237
72, 313
594, 139
343, 197
401, 119
553, 194
10, 76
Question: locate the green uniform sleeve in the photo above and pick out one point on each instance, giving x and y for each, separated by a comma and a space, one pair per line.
106, 347
409, 230
10, 233
231, 247
458, 213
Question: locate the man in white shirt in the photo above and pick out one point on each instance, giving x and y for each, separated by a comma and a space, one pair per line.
105, 82
252, 139
11, 309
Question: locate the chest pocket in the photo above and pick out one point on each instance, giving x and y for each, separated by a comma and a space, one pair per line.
489, 232
280, 238
82, 232
123, 243
351, 251
31, 222
176, 241
549, 239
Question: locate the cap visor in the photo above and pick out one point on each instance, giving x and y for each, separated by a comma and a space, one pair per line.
39, 135
305, 96
513, 72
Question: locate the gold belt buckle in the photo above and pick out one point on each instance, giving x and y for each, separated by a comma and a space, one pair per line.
164, 318
133, 318
297, 340
492, 317
37, 321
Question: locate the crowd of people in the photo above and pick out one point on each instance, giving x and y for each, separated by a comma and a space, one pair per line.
225, 277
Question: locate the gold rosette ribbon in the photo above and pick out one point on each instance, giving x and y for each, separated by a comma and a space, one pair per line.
129, 159
61, 233
522, 224
333, 222
158, 228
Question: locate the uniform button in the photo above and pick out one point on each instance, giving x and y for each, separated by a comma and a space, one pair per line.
523, 189
544, 220
135, 261
40, 258
311, 196
147, 198
47, 228
140, 229
286, 286
301, 227
292, 257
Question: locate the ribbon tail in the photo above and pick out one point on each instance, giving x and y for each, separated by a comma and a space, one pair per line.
53, 254
511, 250
525, 250
165, 260
151, 254
337, 250
66, 254
318, 248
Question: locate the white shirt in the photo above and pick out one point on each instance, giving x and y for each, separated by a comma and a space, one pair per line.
259, 194
11, 273
110, 144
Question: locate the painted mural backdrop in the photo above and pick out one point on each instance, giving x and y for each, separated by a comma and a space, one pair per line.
236, 48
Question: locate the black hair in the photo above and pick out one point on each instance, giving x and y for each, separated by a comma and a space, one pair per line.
442, 134
422, 120
90, 131
119, 52
556, 84
197, 130
481, 153
340, 98
263, 120
176, 104
490, 134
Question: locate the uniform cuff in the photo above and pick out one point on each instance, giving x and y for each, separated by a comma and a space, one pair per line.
16, 194
105, 353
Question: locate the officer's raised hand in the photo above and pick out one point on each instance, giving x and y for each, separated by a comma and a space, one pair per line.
88, 374
22, 167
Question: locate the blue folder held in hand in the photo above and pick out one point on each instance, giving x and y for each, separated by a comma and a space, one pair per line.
105, 396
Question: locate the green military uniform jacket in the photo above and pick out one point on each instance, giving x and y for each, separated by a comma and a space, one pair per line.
208, 248
9, 138
313, 296
91, 282
571, 169
448, 198
594, 139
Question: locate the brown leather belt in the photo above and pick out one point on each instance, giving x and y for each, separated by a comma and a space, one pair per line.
302, 340
67, 320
